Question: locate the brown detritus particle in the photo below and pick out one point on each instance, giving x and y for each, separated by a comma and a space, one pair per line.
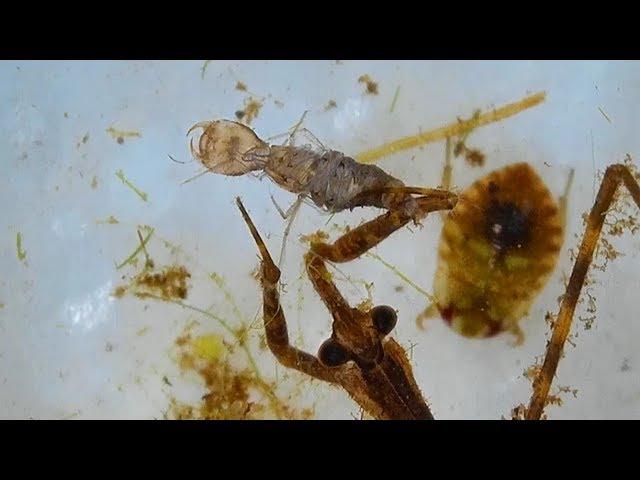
66, 115
531, 372
278, 103
120, 140
108, 347
84, 140
572, 391
318, 236
168, 284
166, 381
241, 86
120, 291
550, 318
474, 157
398, 288
554, 400
250, 112
372, 87
625, 365
518, 412
330, 104
605, 251
94, 183
587, 321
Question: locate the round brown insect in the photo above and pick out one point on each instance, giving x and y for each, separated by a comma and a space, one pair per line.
498, 247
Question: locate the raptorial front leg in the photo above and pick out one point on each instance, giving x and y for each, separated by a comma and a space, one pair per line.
274, 320
614, 176
361, 239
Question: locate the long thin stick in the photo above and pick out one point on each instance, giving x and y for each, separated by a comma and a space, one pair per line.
614, 175
451, 130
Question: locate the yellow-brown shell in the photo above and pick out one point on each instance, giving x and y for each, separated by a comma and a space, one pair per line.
498, 247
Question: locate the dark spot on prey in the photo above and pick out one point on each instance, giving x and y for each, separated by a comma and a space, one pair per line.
506, 226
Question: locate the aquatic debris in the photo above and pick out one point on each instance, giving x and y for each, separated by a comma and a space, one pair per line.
141, 247
120, 135
372, 87
124, 180
250, 112
111, 220
395, 99
21, 253
204, 68
450, 130
330, 104
167, 284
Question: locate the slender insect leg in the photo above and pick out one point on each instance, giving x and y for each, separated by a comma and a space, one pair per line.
431, 311
274, 321
291, 213
292, 208
357, 241
295, 128
317, 144
614, 175
564, 198
282, 213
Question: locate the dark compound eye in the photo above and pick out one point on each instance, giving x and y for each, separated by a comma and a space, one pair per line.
332, 354
384, 318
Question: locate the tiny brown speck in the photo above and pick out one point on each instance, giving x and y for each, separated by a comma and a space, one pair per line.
330, 104
372, 87
239, 114
120, 140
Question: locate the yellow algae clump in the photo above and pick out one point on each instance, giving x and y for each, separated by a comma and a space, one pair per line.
208, 347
